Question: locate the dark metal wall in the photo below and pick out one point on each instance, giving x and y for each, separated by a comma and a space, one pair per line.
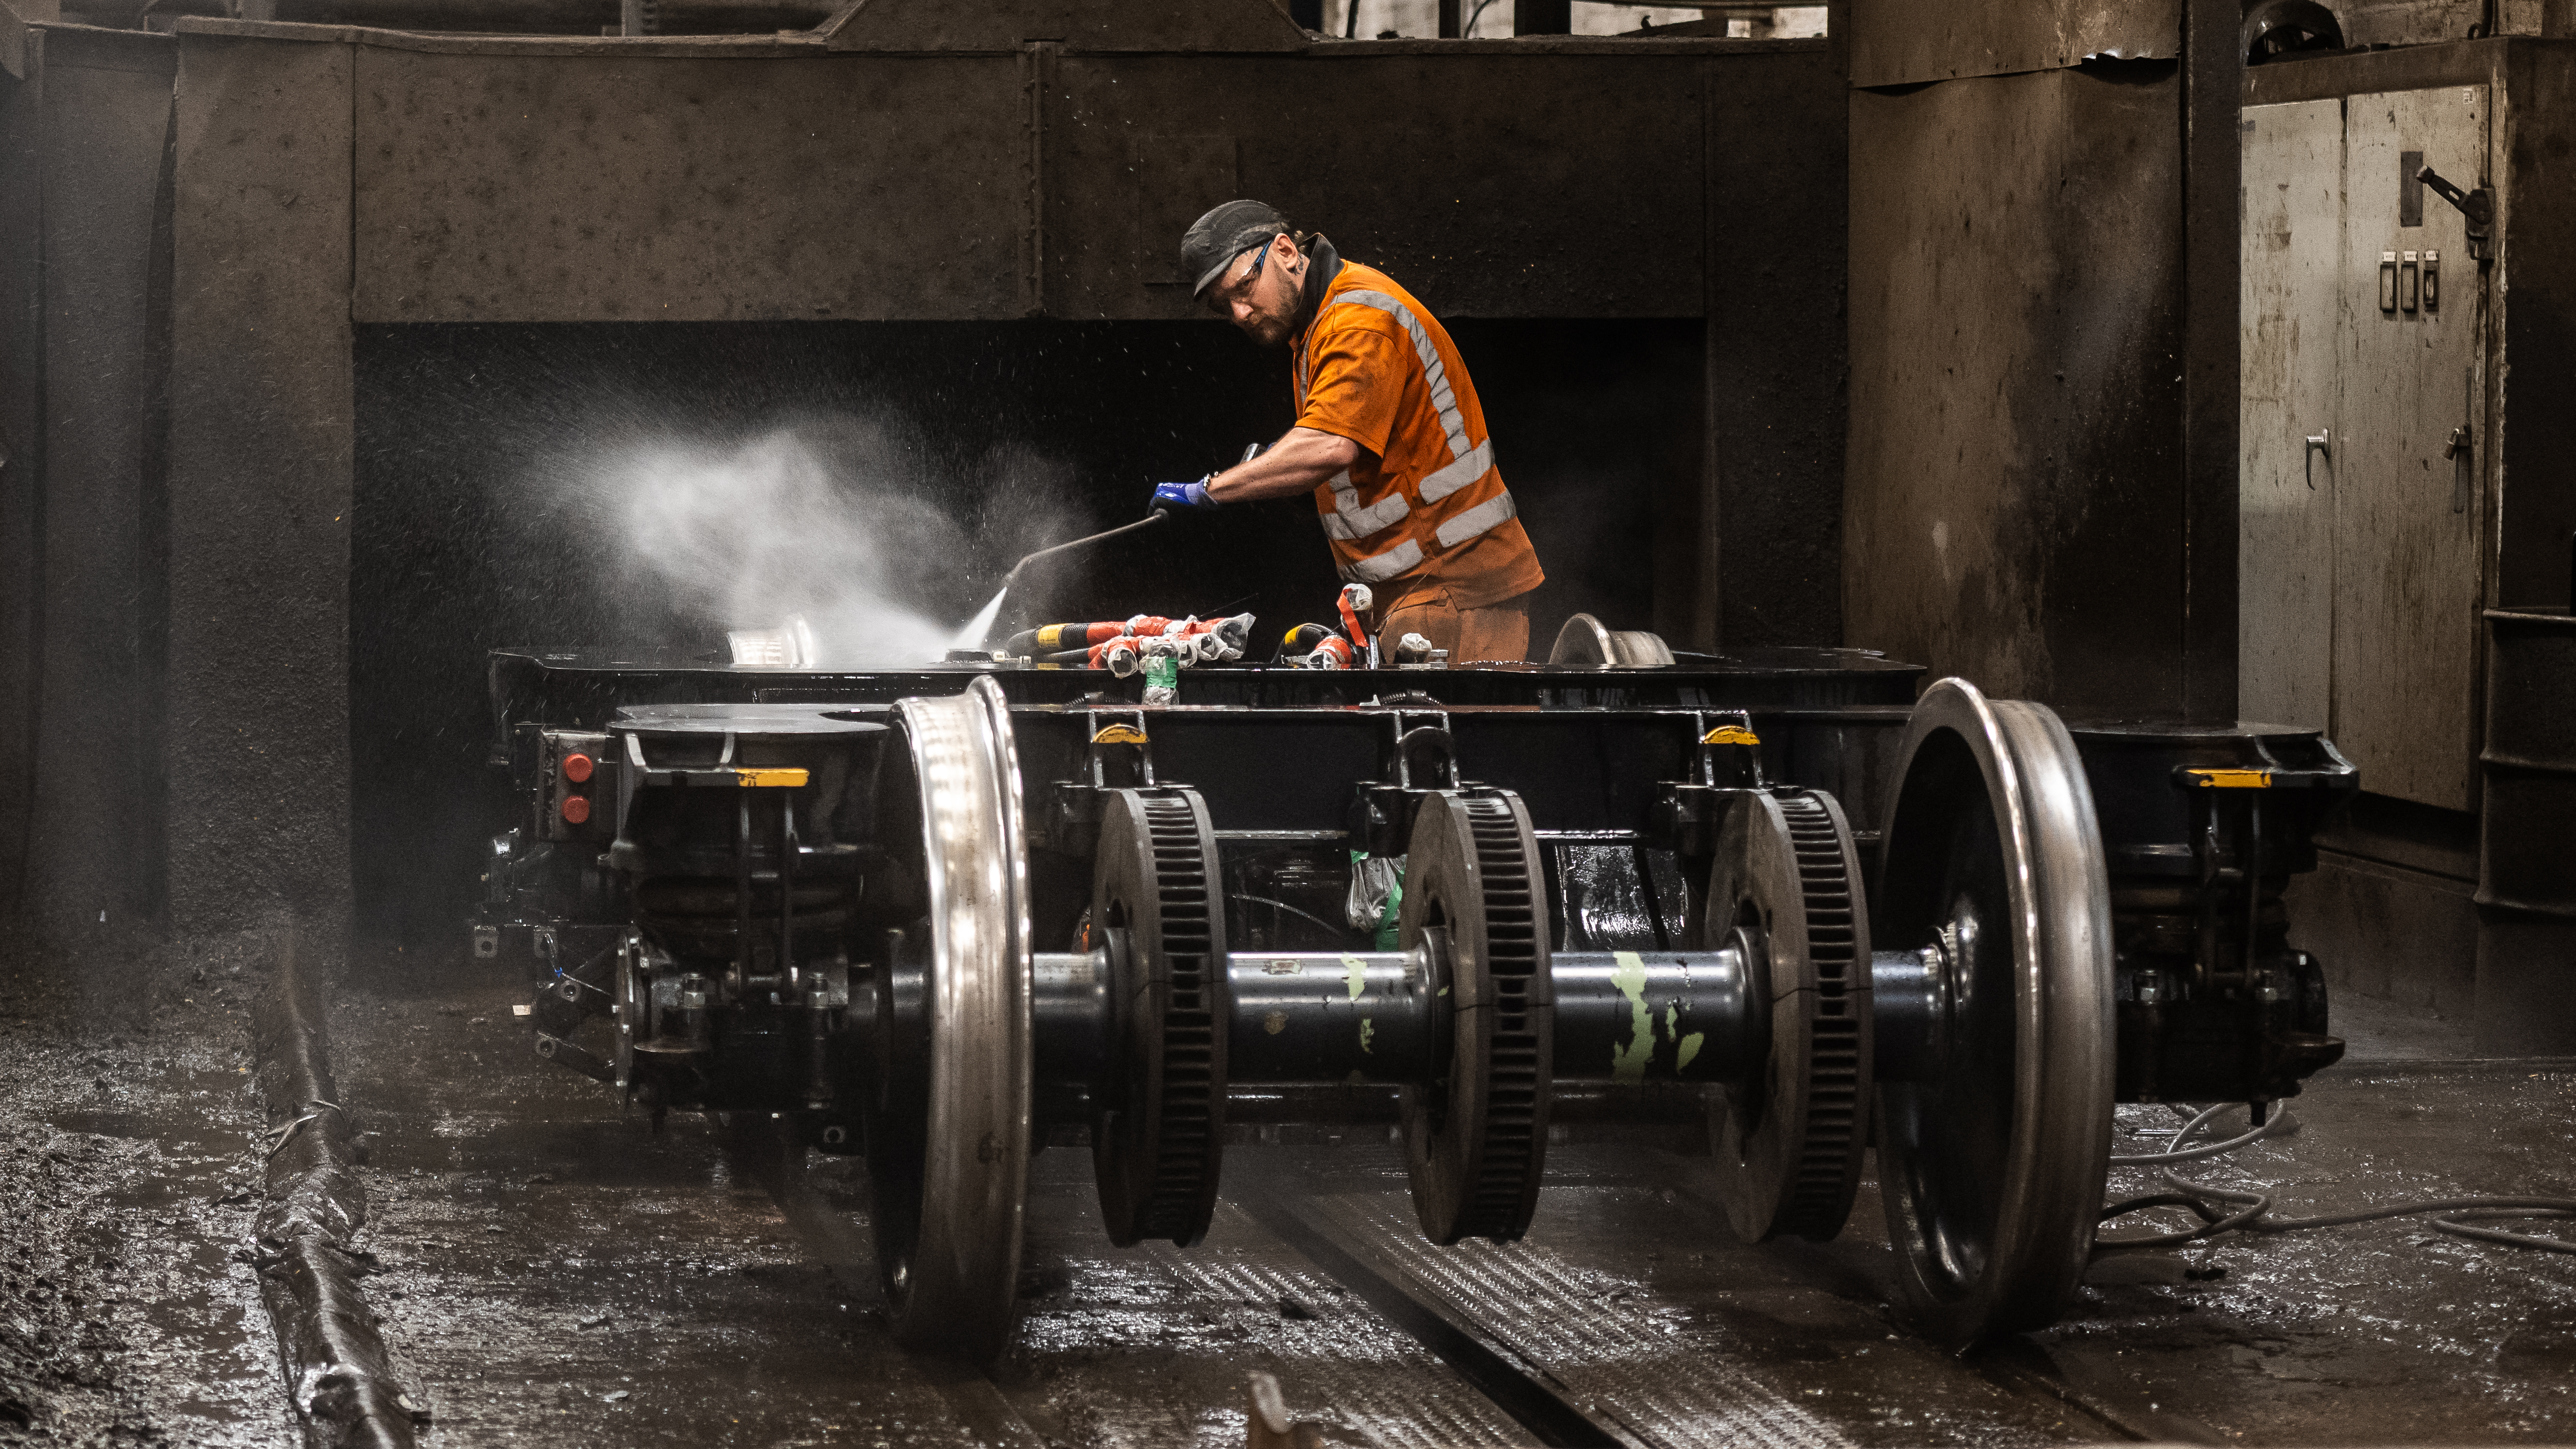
2040, 488
21, 409
1041, 182
324, 179
2014, 506
2538, 492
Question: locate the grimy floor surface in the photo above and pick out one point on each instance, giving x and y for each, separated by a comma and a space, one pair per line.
555, 1273
552, 1268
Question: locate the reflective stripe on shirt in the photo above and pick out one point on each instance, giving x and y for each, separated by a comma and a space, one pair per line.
1485, 516
1482, 519
1377, 568
1353, 521
1478, 462
1433, 373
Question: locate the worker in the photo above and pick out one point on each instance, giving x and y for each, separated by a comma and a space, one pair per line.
1389, 437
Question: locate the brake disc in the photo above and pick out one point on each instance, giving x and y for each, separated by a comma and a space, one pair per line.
949, 1130
1785, 890
1157, 1138
1476, 1141
1993, 1152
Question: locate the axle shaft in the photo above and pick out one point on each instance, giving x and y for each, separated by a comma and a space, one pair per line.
1622, 1017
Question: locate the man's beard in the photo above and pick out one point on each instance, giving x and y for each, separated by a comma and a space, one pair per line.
1271, 331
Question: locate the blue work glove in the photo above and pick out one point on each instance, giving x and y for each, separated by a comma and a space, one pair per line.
1168, 496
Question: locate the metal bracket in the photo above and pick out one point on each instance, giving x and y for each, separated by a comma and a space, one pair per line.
2460, 451
563, 1053
1118, 738
1119, 755
1726, 759
2321, 441
2476, 205
1421, 759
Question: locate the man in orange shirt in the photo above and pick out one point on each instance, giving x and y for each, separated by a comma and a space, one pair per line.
1390, 437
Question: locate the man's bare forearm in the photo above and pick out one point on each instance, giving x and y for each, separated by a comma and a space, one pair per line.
1301, 459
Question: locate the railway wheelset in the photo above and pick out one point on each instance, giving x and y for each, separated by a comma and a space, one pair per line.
939, 916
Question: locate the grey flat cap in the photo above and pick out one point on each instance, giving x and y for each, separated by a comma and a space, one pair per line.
1224, 234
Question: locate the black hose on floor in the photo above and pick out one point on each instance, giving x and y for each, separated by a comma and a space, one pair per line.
337, 1373
2228, 1210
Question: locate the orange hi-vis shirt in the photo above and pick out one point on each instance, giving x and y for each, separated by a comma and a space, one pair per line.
1426, 505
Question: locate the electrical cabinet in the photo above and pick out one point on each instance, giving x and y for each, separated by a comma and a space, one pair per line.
2377, 490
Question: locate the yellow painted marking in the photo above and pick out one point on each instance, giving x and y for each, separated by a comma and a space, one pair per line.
1368, 1029
1355, 975
1730, 735
1689, 1049
1628, 1064
1118, 734
765, 779
2234, 779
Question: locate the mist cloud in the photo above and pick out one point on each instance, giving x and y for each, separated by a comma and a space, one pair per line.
839, 520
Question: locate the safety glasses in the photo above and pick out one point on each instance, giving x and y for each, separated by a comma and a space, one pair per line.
1220, 298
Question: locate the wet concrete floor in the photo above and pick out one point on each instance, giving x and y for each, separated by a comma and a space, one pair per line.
130, 1150
552, 1267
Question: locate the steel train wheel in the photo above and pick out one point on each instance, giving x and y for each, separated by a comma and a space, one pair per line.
1992, 1158
1786, 890
949, 1137
1476, 1144
1158, 1139
1586, 640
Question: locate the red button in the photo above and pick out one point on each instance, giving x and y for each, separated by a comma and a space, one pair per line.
576, 808
576, 768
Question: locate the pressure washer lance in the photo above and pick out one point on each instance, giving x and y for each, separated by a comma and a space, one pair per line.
983, 620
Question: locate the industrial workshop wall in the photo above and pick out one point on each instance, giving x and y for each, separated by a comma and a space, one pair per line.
2040, 487
1617, 228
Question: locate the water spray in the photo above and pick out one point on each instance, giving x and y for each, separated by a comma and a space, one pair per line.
973, 635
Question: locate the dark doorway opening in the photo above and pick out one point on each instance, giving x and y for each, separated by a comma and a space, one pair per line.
540, 484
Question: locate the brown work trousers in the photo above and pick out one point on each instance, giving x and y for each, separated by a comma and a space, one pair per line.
1496, 631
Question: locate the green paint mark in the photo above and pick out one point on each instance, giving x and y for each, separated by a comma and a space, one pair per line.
1690, 1049
1672, 1021
1355, 975
1368, 1029
1628, 1064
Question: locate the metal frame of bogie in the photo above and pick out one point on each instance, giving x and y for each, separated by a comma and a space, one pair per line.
2023, 958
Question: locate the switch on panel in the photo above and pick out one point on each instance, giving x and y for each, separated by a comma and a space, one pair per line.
2432, 281
2388, 281
2409, 289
